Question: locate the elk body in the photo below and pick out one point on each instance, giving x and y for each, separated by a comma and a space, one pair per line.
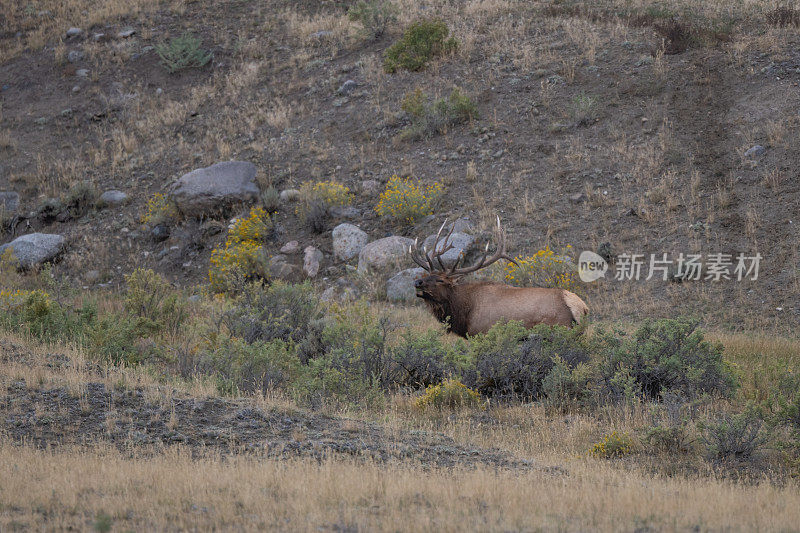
474, 307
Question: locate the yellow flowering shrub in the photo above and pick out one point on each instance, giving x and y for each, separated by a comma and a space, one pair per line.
253, 228
242, 257
406, 201
235, 262
12, 299
612, 445
159, 209
450, 393
545, 268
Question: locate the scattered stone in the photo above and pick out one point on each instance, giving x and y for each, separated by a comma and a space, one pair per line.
212, 227
755, 152
213, 189
290, 248
74, 32
35, 248
577, 198
347, 87
311, 261
73, 56
290, 195
279, 268
370, 187
76, 89
128, 32
99, 37
82, 72
460, 225
9, 202
460, 243
113, 198
159, 91
347, 212
400, 287
384, 253
91, 276
343, 290
322, 34
348, 241
160, 232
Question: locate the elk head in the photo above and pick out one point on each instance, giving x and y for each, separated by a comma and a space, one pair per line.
436, 287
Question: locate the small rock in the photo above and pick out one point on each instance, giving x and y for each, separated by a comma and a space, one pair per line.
73, 56
400, 287
82, 72
290, 248
460, 225
755, 152
577, 198
113, 198
370, 187
290, 195
74, 32
347, 87
76, 89
311, 261
124, 34
279, 268
159, 91
160, 232
321, 34
91, 276
35, 248
99, 37
348, 241
346, 212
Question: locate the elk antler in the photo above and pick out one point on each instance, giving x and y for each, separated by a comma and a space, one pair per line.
486, 260
427, 260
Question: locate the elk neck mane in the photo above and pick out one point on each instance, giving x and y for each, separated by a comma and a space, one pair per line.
455, 310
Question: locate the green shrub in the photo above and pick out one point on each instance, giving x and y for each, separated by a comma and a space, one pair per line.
660, 356
584, 110
152, 299
316, 201
183, 52
450, 394
569, 385
258, 366
510, 361
429, 116
271, 200
613, 445
421, 42
424, 360
374, 16
734, 436
326, 381
80, 199
263, 313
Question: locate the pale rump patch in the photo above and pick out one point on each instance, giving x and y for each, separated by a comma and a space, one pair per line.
576, 306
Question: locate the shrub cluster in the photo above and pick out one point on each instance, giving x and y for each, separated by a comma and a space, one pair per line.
242, 258
374, 16
421, 42
545, 268
431, 116
613, 445
405, 201
159, 210
317, 199
450, 394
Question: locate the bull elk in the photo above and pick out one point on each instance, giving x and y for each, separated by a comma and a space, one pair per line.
474, 307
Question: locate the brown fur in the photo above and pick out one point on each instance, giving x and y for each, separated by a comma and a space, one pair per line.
472, 308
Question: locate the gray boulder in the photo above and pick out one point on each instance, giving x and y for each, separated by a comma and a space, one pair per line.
755, 152
312, 259
461, 245
280, 268
348, 241
35, 248
216, 188
9, 202
400, 287
113, 198
384, 253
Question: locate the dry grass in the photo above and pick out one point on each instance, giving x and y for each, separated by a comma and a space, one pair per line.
78, 488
